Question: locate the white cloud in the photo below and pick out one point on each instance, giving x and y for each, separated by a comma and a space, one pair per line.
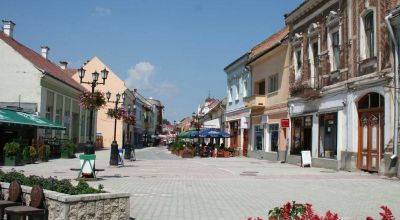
141, 77
101, 11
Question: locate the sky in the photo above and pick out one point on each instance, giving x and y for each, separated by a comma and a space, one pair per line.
174, 51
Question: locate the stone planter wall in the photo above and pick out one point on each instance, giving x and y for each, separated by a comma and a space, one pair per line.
61, 206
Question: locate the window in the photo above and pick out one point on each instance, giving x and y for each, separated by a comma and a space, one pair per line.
298, 63
261, 88
244, 93
59, 115
315, 63
328, 135
274, 136
49, 111
67, 117
301, 134
335, 50
369, 35
258, 137
237, 87
230, 95
273, 83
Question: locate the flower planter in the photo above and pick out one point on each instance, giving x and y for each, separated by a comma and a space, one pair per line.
10, 161
187, 154
85, 206
227, 154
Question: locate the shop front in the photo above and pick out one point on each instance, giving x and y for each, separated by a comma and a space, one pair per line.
237, 123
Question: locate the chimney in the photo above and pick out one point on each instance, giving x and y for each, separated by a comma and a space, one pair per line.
45, 51
8, 28
63, 65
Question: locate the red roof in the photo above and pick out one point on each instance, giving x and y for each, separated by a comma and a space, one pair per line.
70, 72
269, 42
41, 63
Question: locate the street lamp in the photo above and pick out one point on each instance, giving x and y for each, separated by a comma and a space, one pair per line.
127, 145
90, 148
114, 144
196, 122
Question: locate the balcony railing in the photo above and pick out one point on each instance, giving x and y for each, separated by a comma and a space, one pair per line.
255, 101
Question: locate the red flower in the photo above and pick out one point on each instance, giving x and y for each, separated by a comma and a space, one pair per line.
386, 214
369, 218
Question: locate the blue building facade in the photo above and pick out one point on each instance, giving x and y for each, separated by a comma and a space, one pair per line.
237, 115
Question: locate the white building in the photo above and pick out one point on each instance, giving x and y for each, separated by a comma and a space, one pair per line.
31, 79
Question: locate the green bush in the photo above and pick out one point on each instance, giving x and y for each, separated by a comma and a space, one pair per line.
29, 153
178, 145
53, 184
68, 148
11, 149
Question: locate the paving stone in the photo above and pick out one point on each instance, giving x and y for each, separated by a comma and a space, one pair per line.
164, 186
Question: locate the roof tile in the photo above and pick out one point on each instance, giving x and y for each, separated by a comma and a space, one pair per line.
41, 63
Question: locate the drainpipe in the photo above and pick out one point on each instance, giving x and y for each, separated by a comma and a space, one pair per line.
396, 80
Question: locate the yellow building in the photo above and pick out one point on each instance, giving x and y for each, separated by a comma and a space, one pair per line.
105, 124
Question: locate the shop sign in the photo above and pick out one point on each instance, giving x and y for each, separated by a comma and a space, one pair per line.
284, 123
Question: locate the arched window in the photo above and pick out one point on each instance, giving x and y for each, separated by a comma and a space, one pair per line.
371, 100
369, 34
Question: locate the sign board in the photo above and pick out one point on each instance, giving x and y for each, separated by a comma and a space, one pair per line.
305, 158
285, 123
264, 119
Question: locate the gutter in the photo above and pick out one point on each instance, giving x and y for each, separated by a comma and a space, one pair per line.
396, 81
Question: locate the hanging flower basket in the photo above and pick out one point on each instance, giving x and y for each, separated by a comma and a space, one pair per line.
96, 100
117, 114
129, 119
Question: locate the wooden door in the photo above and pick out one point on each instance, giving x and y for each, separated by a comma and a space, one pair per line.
370, 135
245, 142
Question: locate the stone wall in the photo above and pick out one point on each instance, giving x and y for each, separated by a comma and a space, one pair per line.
61, 206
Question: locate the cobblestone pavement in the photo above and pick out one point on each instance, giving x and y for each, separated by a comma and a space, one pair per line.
163, 186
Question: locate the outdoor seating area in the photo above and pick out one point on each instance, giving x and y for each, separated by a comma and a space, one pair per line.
206, 142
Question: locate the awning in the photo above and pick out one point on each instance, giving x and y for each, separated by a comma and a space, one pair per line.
8, 116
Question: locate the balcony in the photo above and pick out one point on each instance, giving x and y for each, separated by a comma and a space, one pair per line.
255, 101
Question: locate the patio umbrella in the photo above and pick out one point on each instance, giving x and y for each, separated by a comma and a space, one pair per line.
214, 133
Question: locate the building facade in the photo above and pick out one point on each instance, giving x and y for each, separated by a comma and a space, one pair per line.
269, 64
31, 81
237, 116
341, 84
113, 84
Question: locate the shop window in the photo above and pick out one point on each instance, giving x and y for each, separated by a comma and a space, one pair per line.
49, 111
301, 134
328, 135
274, 136
67, 117
258, 137
59, 113
273, 83
82, 122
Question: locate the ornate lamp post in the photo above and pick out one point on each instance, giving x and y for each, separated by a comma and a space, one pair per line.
128, 144
114, 144
196, 122
90, 148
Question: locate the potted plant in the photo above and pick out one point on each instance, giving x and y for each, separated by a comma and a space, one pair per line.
68, 150
11, 152
44, 152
